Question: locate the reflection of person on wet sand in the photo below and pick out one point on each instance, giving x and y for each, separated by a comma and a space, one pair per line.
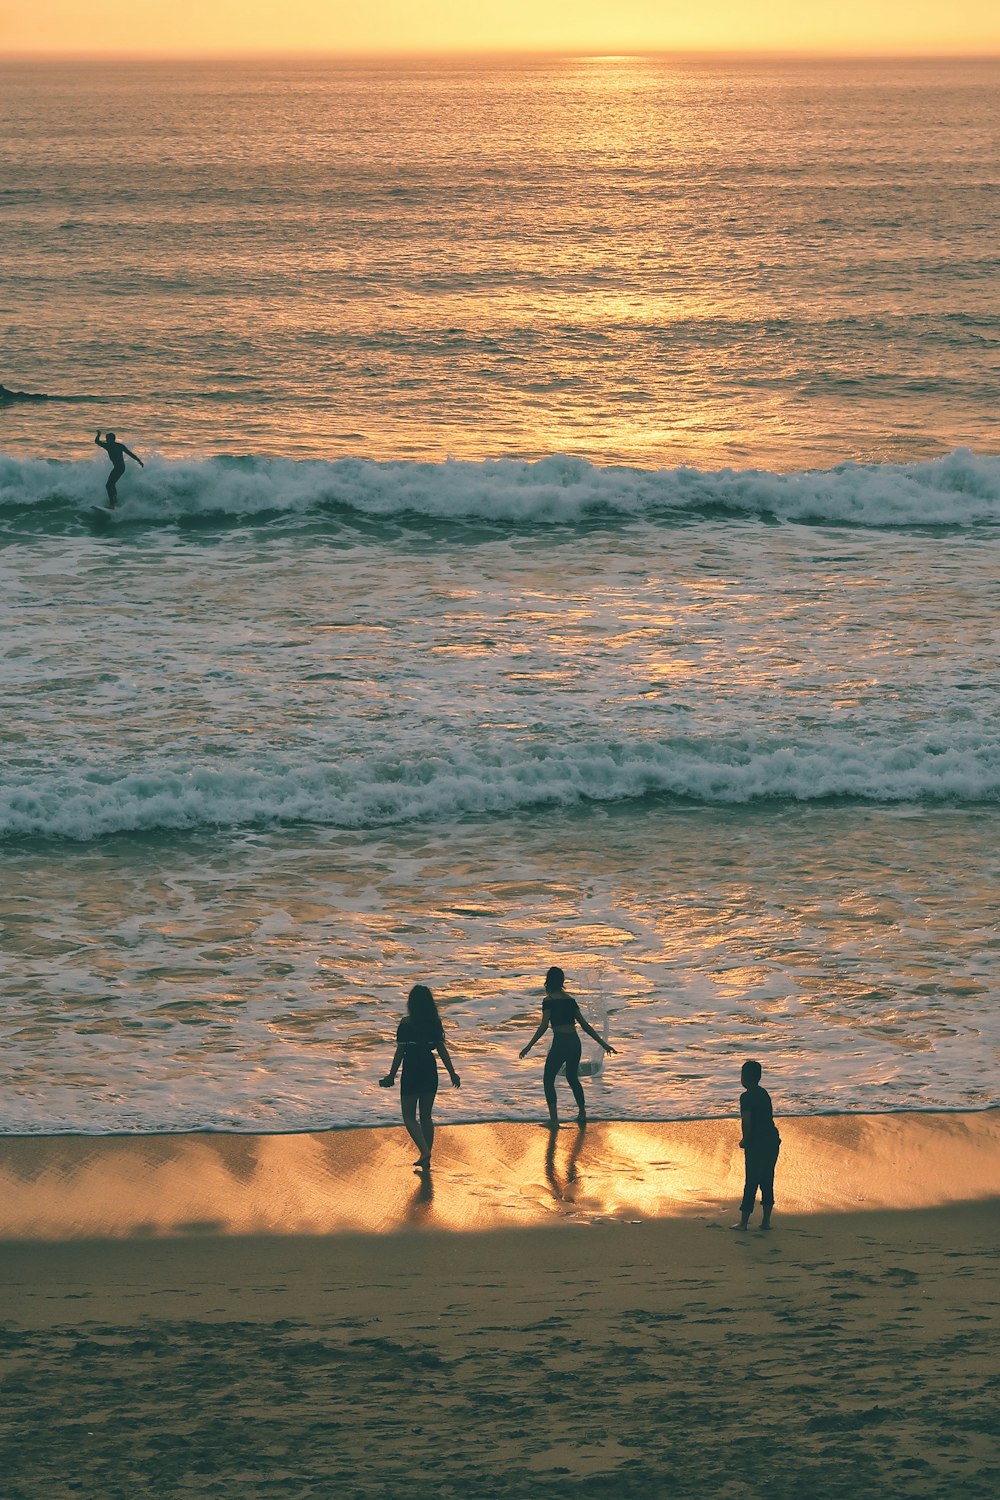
563, 1192
761, 1144
116, 451
418, 1036
561, 1012
419, 1208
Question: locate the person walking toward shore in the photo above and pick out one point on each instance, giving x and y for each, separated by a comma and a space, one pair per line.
760, 1144
418, 1036
562, 1013
116, 451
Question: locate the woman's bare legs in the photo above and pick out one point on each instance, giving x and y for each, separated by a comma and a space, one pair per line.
425, 1103
573, 1079
552, 1066
408, 1104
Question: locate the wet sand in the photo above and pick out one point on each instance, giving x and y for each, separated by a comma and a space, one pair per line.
584, 1337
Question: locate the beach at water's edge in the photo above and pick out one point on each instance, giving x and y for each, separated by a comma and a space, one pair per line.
587, 1332
486, 1176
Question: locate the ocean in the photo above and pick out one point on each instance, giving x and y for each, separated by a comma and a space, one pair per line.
569, 533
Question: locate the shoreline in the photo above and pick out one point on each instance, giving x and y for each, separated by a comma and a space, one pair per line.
486, 1176
237, 1132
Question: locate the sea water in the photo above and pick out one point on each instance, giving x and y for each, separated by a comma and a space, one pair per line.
570, 532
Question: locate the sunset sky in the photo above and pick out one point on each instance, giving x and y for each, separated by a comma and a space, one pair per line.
186, 27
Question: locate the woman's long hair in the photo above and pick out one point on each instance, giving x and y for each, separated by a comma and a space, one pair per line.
554, 980
423, 1012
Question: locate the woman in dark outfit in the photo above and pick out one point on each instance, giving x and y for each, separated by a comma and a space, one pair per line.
561, 1012
761, 1144
418, 1036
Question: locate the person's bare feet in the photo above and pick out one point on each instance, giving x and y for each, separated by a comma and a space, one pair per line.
741, 1226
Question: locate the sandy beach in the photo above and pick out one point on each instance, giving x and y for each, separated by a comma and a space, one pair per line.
570, 1323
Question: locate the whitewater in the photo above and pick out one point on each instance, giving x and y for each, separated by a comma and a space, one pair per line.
282, 738
960, 489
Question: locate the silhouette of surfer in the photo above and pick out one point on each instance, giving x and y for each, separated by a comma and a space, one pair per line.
116, 451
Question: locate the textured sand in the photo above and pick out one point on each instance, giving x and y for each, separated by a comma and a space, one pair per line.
595, 1351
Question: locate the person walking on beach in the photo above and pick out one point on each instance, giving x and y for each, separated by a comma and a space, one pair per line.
116, 451
760, 1144
418, 1036
561, 1012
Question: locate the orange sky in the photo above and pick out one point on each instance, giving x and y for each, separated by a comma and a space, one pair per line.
186, 27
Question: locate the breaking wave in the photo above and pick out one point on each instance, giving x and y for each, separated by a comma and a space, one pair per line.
960, 489
381, 791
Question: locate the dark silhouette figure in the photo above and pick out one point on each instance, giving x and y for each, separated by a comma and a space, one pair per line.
418, 1036
116, 451
561, 1012
760, 1143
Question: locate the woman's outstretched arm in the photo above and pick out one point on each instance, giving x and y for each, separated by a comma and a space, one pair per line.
543, 1027
586, 1026
445, 1056
390, 1078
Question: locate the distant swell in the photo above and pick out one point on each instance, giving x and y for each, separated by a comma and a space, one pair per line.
959, 490
378, 792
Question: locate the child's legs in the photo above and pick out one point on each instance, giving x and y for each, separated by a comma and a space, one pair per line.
750, 1185
767, 1182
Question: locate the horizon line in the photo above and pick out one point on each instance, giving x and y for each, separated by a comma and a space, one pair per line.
525, 54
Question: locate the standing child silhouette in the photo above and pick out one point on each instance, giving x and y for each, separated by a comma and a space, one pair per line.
760, 1142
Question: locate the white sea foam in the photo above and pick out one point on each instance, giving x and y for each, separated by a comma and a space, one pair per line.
960, 489
443, 785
